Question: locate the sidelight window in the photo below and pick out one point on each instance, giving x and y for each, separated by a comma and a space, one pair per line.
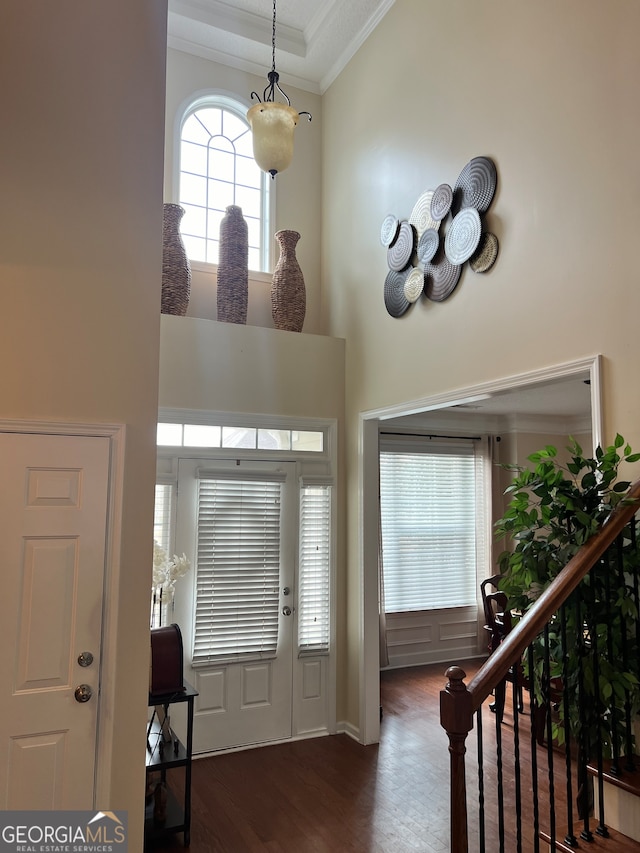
314, 573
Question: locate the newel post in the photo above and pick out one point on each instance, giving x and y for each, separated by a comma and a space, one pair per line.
456, 718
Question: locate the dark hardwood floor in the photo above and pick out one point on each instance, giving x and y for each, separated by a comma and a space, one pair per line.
332, 795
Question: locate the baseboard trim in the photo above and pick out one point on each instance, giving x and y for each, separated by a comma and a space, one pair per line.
346, 728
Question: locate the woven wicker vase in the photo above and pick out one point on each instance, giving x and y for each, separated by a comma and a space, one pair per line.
288, 295
233, 267
176, 270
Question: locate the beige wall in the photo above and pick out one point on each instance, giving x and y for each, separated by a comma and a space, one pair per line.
82, 101
225, 367
546, 90
297, 190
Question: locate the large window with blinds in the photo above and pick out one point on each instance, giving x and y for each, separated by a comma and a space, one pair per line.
238, 568
430, 503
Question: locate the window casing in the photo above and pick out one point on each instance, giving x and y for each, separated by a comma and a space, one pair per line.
217, 169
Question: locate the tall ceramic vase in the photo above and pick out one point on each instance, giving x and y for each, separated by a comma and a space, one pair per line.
176, 269
233, 267
288, 295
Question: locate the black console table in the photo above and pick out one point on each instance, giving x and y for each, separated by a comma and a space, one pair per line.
164, 756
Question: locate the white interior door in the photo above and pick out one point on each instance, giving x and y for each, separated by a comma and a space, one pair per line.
53, 511
248, 699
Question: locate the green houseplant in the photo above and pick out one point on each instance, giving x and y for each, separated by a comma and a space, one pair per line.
555, 508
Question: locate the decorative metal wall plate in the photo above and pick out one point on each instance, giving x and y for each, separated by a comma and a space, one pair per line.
476, 185
395, 301
485, 255
463, 236
399, 254
440, 279
389, 230
421, 217
428, 245
441, 201
414, 284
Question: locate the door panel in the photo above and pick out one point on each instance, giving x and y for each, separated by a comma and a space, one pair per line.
53, 511
249, 701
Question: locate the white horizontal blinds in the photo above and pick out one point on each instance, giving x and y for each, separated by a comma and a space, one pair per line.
162, 515
237, 568
314, 568
428, 517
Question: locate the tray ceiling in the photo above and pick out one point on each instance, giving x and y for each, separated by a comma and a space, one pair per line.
314, 40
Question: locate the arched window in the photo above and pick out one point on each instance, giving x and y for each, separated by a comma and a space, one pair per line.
217, 169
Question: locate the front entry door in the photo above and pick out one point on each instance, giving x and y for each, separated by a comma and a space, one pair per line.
245, 695
53, 512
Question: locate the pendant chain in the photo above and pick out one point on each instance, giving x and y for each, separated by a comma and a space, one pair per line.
273, 39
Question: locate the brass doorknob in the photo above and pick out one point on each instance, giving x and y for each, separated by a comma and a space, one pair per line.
83, 693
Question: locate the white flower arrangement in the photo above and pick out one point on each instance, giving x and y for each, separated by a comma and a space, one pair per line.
166, 572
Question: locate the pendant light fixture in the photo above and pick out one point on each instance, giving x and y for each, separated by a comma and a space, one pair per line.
273, 123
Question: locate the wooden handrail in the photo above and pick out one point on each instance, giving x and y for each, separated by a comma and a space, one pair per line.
540, 613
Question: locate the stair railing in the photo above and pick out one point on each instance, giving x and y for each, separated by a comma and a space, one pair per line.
459, 702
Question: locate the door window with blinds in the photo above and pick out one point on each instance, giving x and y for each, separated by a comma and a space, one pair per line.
238, 568
433, 522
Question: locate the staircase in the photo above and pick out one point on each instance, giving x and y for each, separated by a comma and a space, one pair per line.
540, 790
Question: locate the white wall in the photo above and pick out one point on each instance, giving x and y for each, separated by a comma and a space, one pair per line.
82, 104
544, 89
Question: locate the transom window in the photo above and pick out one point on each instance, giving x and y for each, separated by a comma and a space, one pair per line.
248, 438
217, 169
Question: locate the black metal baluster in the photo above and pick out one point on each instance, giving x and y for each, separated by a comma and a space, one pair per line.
516, 749
636, 583
533, 713
622, 587
480, 781
615, 746
500, 779
570, 837
583, 781
546, 686
598, 707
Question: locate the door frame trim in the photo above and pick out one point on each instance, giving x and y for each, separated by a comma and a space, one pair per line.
105, 734
368, 544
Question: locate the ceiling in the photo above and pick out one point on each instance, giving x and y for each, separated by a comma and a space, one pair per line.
562, 405
315, 39
570, 397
